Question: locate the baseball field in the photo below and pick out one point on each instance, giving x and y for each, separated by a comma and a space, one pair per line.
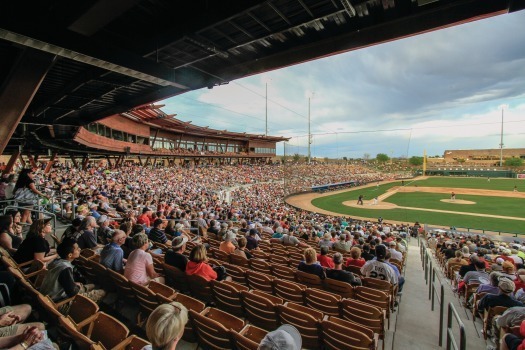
494, 205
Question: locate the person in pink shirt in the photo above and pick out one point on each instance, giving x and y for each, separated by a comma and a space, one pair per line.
139, 266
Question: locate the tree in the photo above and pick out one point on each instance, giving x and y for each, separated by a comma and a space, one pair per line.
296, 157
326, 159
416, 160
513, 161
366, 156
345, 159
381, 157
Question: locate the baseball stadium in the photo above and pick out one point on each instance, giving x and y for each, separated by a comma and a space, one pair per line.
131, 221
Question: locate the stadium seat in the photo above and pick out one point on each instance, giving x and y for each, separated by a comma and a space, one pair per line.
356, 270
80, 341
374, 297
220, 255
306, 320
212, 327
176, 278
227, 296
366, 315
339, 334
381, 285
261, 308
260, 254
190, 304
343, 289
311, 280
100, 275
200, 288
239, 261
122, 286
488, 316
237, 273
260, 266
147, 301
259, 281
326, 302
283, 272
289, 291
248, 338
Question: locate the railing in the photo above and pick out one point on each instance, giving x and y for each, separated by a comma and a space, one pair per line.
430, 279
43, 212
451, 341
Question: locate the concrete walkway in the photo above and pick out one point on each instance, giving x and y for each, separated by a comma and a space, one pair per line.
417, 327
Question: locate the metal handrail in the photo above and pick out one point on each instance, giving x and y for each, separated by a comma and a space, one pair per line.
450, 336
44, 212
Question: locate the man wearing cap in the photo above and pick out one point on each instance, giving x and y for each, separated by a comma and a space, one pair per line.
337, 272
378, 268
112, 255
286, 337
227, 245
395, 254
104, 232
506, 287
174, 256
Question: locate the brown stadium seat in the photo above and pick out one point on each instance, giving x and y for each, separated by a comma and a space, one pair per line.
100, 273
80, 341
260, 266
339, 334
222, 256
489, 315
366, 315
343, 289
227, 296
248, 338
311, 280
289, 291
279, 260
259, 281
162, 289
283, 272
356, 270
212, 327
261, 308
326, 302
374, 297
190, 304
239, 261
135, 343
306, 320
200, 288
381, 285
260, 254
237, 273
122, 286
147, 301
176, 278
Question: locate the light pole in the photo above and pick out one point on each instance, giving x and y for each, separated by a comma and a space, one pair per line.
266, 133
310, 96
501, 137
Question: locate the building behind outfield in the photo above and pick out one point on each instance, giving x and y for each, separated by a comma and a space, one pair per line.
482, 156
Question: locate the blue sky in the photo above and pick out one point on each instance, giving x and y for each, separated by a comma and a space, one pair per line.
435, 91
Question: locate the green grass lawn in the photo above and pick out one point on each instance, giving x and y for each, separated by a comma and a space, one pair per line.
470, 182
486, 205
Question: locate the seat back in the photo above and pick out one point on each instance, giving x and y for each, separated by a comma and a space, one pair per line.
122, 286
227, 296
176, 278
248, 338
200, 288
239, 261
339, 334
136, 343
222, 256
146, 299
81, 308
373, 296
289, 291
261, 308
237, 273
364, 314
81, 341
306, 320
107, 330
260, 254
343, 289
101, 273
162, 289
190, 304
311, 280
283, 272
51, 312
325, 302
212, 327
354, 269
260, 266
259, 281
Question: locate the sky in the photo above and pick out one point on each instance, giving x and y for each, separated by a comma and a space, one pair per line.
436, 91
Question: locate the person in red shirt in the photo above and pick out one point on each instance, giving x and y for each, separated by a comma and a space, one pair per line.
520, 280
355, 258
514, 342
145, 218
324, 259
198, 265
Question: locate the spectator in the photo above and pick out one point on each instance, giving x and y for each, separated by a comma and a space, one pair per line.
286, 337
337, 272
378, 268
326, 241
87, 238
252, 242
227, 246
156, 234
310, 263
165, 326
104, 232
11, 318
198, 265
366, 254
506, 287
342, 245
324, 259
26, 194
395, 254
355, 258
59, 282
174, 256
139, 266
35, 246
242, 251
112, 255
144, 219
9, 240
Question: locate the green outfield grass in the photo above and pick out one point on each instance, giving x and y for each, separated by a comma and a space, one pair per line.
485, 205
470, 182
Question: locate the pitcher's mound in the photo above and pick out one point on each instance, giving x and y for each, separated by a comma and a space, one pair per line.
457, 201
370, 205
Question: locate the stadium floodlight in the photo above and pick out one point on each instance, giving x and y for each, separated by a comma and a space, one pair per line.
348, 8
502, 107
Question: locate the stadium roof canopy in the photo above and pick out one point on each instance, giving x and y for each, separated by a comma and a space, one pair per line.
66, 63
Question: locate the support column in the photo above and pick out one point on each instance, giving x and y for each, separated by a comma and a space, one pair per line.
73, 159
23, 82
85, 162
11, 163
21, 159
49, 165
31, 160
110, 165
140, 161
